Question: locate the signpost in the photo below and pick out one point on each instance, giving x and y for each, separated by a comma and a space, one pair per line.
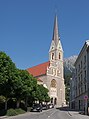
86, 101
85, 97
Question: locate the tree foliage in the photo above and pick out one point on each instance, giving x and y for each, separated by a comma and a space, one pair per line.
42, 93
67, 85
7, 74
19, 84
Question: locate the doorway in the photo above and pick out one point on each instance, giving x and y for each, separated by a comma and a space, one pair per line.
55, 101
51, 100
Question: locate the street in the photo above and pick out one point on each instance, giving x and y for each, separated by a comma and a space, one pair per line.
51, 114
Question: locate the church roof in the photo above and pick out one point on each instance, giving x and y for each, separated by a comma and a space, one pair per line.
39, 69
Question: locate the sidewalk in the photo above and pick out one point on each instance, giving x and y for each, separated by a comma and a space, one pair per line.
3, 117
76, 115
73, 113
19, 115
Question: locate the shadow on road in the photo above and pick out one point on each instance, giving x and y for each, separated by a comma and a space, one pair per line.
65, 109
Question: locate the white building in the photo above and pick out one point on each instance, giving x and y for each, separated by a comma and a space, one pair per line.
81, 78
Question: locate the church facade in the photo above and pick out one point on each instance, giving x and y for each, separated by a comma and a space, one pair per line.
51, 73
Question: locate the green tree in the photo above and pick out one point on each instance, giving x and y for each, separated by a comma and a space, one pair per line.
7, 74
18, 87
67, 85
41, 94
29, 83
47, 98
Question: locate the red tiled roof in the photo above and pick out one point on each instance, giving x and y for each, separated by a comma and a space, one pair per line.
39, 69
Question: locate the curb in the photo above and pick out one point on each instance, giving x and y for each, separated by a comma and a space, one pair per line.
3, 117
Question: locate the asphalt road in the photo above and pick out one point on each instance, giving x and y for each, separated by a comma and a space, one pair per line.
47, 114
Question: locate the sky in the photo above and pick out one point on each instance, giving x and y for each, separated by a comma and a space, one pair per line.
26, 28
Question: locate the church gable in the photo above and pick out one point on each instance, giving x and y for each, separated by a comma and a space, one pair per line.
59, 46
53, 69
52, 47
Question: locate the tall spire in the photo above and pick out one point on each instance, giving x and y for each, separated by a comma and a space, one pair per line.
55, 31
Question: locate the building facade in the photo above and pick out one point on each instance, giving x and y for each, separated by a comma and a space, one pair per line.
81, 79
52, 73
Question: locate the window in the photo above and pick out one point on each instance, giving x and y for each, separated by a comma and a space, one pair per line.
76, 71
81, 79
52, 56
84, 59
53, 83
85, 74
52, 47
79, 67
81, 64
59, 56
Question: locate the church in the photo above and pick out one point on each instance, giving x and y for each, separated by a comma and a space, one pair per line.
51, 73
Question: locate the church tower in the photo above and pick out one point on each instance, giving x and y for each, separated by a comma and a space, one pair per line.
51, 73
55, 71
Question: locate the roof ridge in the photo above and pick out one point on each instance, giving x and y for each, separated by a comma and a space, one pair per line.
39, 69
38, 64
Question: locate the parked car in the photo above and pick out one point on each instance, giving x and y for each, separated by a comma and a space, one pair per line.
37, 107
51, 105
44, 106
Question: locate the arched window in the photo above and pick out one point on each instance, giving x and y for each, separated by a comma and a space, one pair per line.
53, 83
52, 56
59, 56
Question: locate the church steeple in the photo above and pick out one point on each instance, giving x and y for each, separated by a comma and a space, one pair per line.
56, 51
55, 32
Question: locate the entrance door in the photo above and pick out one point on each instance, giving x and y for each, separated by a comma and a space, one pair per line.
55, 101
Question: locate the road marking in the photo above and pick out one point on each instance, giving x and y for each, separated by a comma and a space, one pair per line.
51, 114
69, 113
48, 116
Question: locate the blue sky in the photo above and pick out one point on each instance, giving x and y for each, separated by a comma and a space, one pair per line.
26, 28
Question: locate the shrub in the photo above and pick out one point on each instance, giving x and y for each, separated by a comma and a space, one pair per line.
11, 112
19, 111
